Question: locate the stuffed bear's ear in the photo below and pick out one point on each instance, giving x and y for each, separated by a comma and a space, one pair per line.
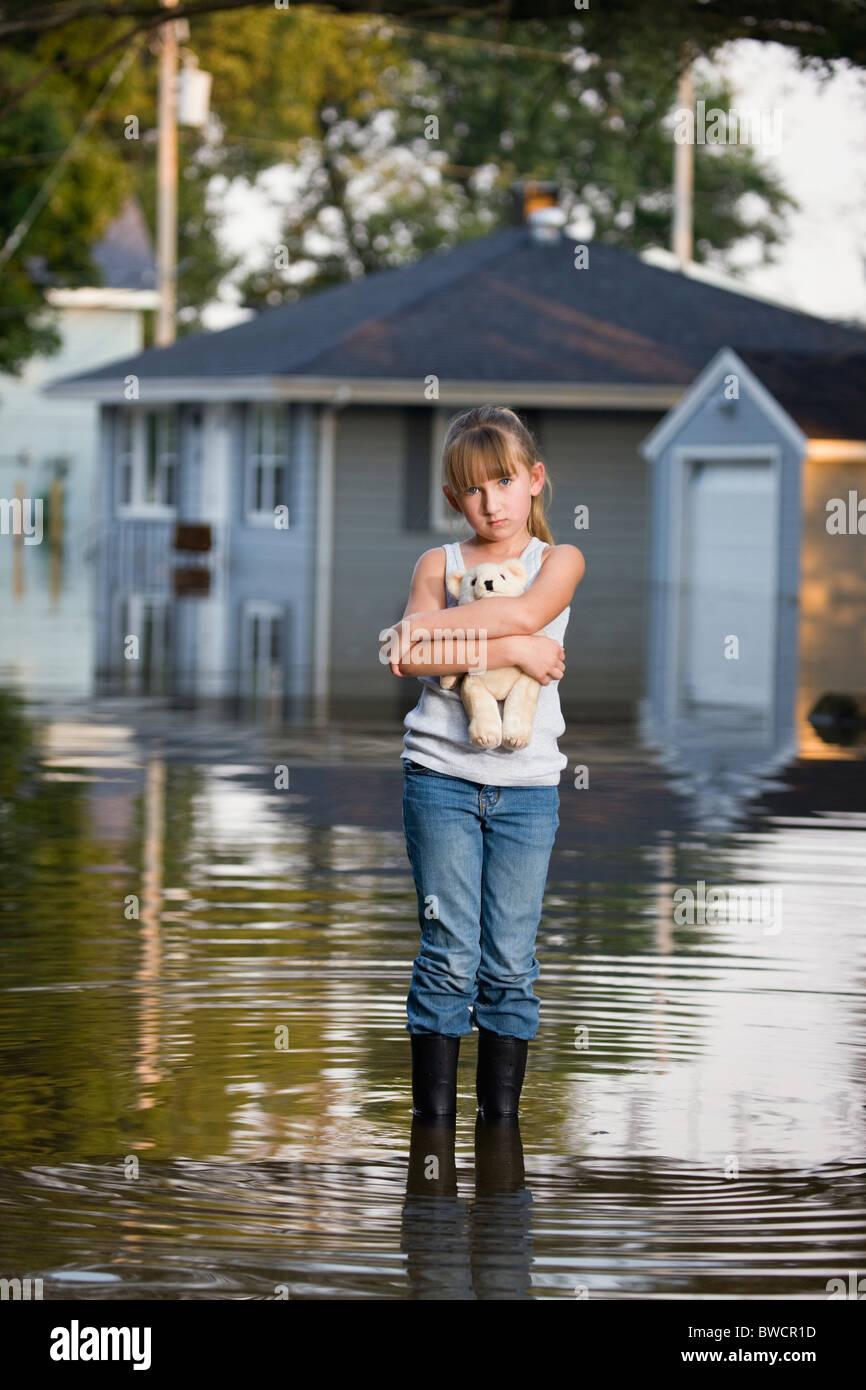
453, 583
514, 567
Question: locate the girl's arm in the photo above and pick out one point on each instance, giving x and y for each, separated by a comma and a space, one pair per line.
538, 656
469, 656
549, 593
426, 590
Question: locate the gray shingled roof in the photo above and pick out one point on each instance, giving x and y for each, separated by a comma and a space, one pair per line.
824, 393
502, 307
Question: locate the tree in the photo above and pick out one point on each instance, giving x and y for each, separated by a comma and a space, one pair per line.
116, 159
593, 125
355, 102
834, 30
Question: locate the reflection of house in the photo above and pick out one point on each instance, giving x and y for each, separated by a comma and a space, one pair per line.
335, 407
757, 603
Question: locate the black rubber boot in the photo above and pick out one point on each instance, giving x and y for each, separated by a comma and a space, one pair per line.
501, 1068
434, 1075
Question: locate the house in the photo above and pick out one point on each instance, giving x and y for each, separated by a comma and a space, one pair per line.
49, 450
757, 562
299, 452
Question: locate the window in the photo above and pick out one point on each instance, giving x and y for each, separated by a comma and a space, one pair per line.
123, 458
266, 462
160, 455
146, 462
442, 518
261, 649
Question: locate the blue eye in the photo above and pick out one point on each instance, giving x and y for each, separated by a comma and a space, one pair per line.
475, 489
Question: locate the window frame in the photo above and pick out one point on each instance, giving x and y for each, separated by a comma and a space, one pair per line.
443, 521
271, 460
131, 462
252, 611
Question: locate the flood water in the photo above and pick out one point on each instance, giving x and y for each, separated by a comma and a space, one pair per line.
205, 1068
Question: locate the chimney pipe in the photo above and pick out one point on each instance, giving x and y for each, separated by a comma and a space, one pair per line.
535, 204
545, 225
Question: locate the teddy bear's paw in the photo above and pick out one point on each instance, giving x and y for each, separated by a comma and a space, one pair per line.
516, 738
448, 682
485, 733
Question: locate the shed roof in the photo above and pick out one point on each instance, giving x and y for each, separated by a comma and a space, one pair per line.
124, 254
498, 308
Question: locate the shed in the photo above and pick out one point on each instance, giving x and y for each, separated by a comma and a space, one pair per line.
756, 586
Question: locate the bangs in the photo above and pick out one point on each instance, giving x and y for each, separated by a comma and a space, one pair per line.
479, 455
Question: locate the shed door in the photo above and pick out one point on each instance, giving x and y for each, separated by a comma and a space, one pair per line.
729, 572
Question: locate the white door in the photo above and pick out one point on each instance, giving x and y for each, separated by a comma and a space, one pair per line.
729, 583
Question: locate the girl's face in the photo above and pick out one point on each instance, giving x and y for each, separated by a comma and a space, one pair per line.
498, 508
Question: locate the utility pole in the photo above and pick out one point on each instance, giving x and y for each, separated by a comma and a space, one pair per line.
684, 177
166, 184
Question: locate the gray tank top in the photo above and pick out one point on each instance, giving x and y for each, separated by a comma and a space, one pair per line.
437, 729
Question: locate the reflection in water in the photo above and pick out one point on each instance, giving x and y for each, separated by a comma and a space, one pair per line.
47, 631
458, 1250
205, 1073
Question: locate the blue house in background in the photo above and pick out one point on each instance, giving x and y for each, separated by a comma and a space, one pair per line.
206, 553
330, 413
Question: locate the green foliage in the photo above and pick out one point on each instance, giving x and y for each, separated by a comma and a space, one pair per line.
350, 101
57, 247
106, 167
16, 737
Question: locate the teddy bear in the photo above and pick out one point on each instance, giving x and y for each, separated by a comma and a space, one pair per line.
481, 691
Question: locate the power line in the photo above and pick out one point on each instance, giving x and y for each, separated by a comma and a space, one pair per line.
13, 241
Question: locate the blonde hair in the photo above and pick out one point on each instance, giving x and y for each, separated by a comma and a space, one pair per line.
489, 442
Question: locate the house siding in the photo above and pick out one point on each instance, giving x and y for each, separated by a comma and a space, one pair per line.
274, 565
374, 553
591, 459
833, 614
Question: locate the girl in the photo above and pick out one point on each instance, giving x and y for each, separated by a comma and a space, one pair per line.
480, 822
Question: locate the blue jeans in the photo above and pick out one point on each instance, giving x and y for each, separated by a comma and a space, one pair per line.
479, 857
